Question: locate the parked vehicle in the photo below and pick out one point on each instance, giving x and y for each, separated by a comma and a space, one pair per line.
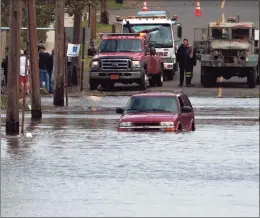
126, 58
157, 111
228, 51
163, 40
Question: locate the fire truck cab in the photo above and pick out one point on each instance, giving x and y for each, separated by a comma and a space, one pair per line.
163, 40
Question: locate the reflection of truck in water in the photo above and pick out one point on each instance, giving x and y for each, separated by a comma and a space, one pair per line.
163, 39
227, 50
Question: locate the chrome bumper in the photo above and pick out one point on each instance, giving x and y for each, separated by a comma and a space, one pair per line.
169, 64
121, 75
147, 128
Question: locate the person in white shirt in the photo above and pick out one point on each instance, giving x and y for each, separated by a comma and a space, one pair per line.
24, 76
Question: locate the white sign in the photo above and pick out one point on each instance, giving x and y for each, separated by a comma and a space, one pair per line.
73, 50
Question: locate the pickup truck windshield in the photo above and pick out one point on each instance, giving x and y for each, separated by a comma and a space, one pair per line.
121, 45
153, 104
161, 38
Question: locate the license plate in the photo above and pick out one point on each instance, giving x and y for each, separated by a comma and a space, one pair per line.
114, 77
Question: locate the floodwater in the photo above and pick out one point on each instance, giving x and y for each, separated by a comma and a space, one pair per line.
76, 164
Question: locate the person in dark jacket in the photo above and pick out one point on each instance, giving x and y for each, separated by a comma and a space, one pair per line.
4, 65
185, 58
44, 58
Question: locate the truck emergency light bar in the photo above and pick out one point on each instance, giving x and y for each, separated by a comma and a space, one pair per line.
121, 34
140, 17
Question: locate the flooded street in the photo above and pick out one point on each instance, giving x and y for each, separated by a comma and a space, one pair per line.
77, 164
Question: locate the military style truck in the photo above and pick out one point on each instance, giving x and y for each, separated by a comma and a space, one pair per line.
126, 58
227, 50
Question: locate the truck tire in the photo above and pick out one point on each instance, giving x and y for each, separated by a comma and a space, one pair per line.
92, 85
207, 77
159, 79
142, 82
152, 81
251, 78
168, 75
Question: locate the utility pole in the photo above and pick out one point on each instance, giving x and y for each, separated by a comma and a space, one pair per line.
94, 22
59, 54
36, 111
12, 110
83, 53
93, 16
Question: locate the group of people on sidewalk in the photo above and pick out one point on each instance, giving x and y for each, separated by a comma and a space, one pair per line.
46, 70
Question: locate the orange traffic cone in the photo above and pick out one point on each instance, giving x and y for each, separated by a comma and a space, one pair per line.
145, 6
198, 10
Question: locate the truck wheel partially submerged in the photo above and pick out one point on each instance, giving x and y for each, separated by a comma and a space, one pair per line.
227, 50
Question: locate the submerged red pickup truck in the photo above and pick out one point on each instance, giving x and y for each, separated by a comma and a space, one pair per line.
125, 58
157, 111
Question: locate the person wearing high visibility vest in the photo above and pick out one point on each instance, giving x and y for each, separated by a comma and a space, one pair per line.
186, 57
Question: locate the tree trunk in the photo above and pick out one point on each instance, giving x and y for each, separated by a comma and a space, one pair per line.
36, 111
12, 110
104, 18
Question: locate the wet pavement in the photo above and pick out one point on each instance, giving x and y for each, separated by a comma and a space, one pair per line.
76, 164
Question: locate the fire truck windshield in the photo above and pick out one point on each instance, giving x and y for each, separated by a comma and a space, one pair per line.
161, 38
121, 45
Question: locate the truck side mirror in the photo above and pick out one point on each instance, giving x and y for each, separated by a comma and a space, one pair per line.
179, 31
186, 109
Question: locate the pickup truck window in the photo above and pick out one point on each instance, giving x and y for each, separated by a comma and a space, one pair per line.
121, 45
166, 104
240, 34
161, 38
